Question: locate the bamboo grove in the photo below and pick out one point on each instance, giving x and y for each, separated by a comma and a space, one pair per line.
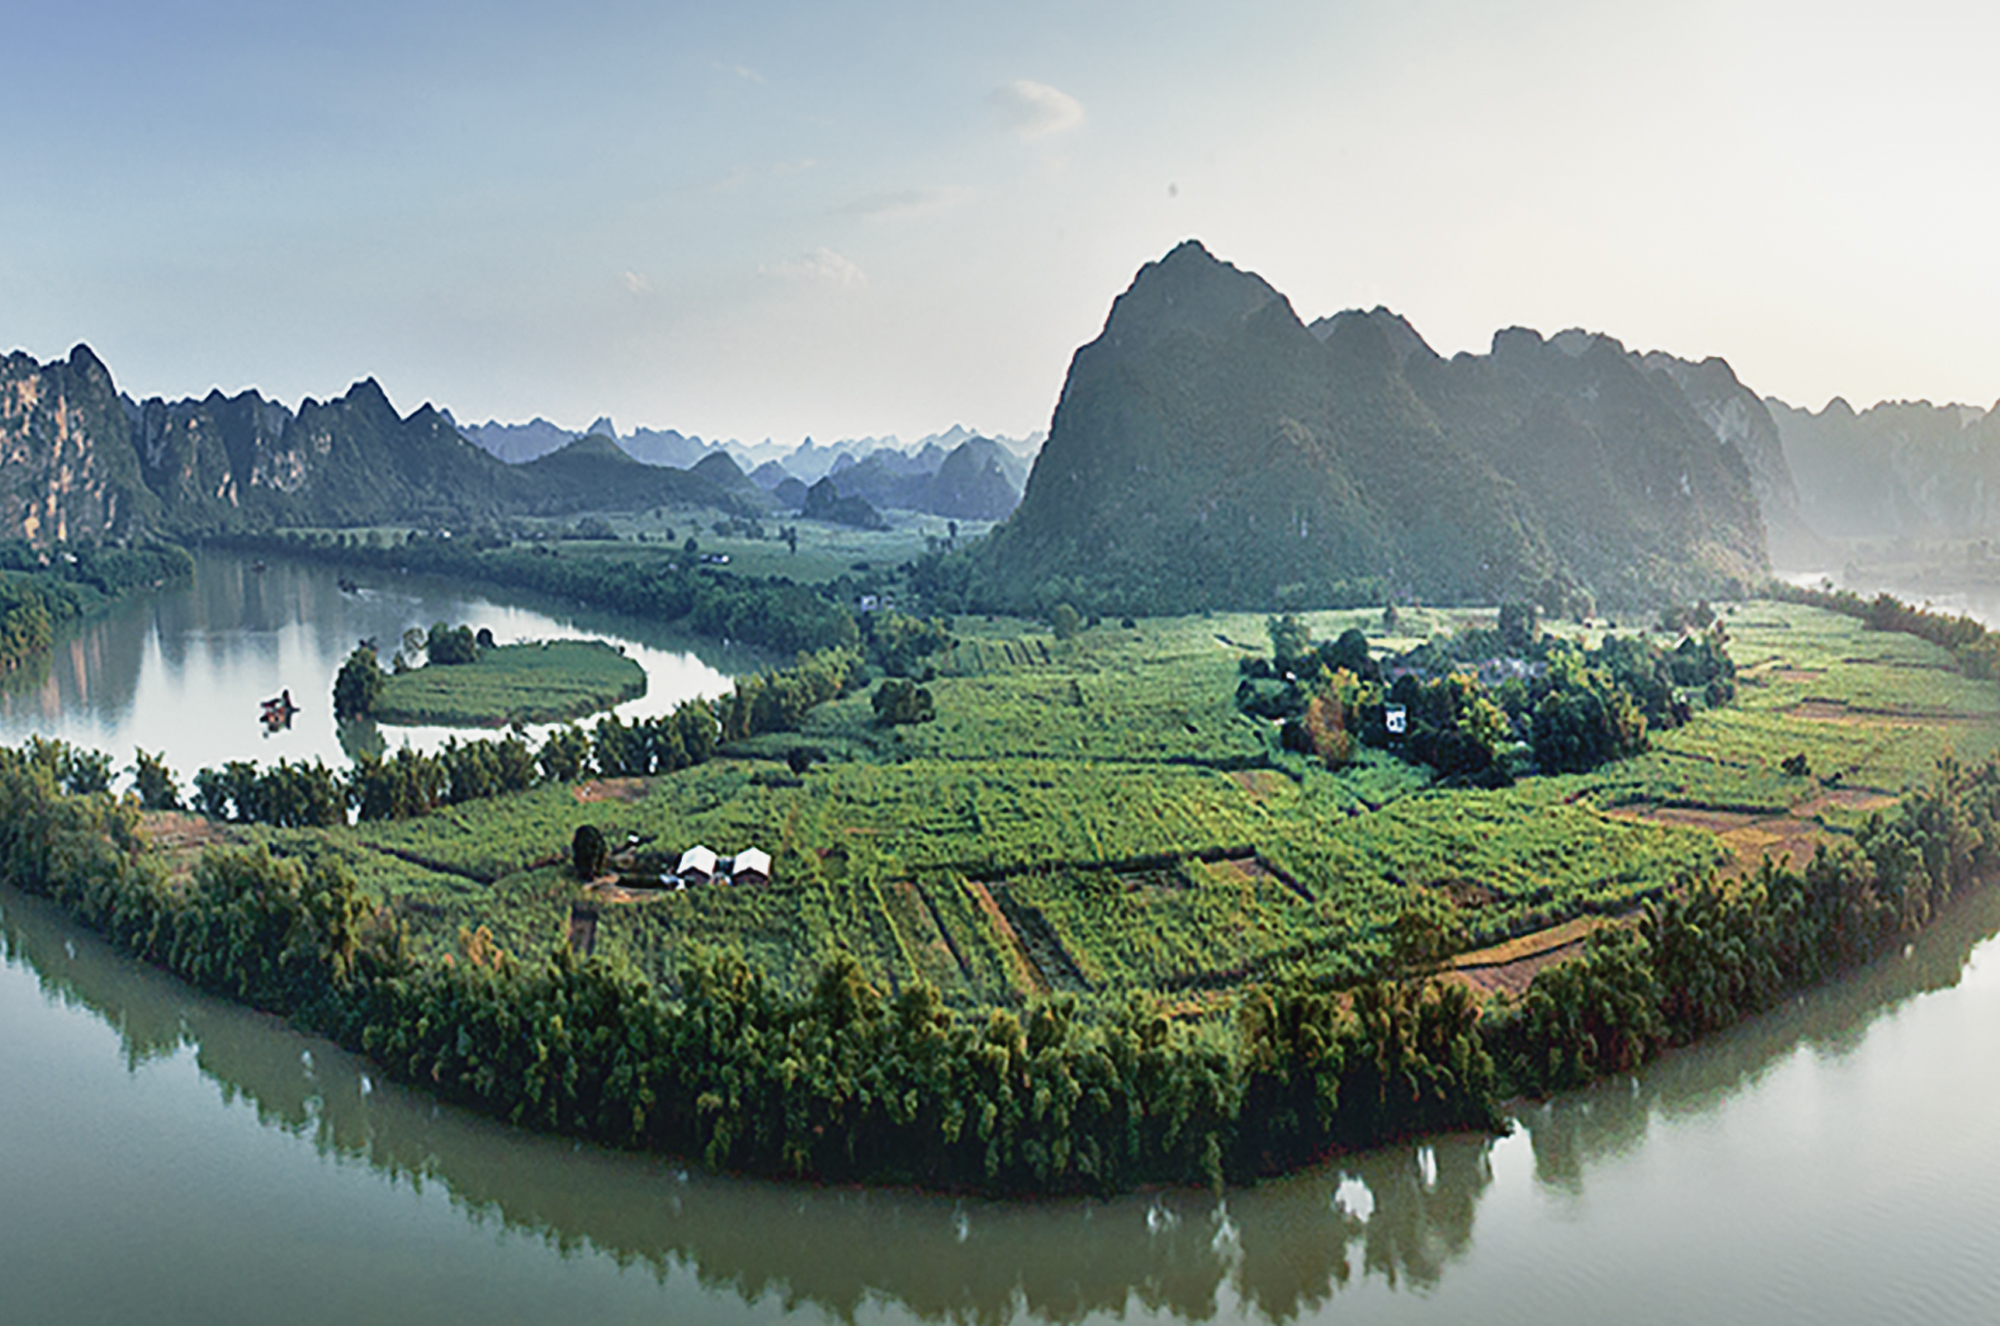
839, 1082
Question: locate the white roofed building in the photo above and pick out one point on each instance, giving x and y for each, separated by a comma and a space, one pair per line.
751, 867
697, 864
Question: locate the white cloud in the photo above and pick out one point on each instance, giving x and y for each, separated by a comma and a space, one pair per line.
1031, 110
743, 72
822, 267
901, 202
636, 282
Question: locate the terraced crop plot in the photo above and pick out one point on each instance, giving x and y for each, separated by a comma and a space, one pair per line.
1048, 832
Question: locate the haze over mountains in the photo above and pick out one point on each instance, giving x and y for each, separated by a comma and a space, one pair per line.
1209, 449
956, 473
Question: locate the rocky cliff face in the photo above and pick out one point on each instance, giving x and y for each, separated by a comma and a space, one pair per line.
1209, 450
78, 461
1739, 417
57, 480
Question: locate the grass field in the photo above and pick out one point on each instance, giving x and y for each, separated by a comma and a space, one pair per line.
1095, 816
825, 551
537, 681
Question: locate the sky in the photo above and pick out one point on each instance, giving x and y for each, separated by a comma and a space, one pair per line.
777, 220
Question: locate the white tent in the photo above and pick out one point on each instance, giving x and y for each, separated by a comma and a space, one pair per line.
697, 863
751, 866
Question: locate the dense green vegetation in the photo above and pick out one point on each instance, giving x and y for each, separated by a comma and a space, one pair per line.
770, 611
543, 681
1091, 925
841, 1081
1480, 705
40, 590
1209, 450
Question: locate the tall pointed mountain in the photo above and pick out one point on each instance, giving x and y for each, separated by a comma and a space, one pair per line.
1210, 450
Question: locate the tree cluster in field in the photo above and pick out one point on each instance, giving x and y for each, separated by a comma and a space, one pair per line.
898, 645
1472, 702
408, 783
771, 612
357, 688
841, 1082
41, 589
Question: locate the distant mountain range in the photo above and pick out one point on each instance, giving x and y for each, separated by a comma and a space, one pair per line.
1901, 469
966, 491
1211, 450
79, 460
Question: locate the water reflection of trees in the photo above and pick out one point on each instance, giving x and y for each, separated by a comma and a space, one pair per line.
1282, 1250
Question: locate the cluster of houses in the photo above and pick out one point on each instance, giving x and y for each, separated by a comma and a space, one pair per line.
700, 865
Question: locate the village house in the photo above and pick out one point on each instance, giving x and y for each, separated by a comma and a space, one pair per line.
697, 865
750, 866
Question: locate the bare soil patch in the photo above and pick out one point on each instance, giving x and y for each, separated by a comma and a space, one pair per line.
610, 789
1017, 953
1790, 839
1509, 968
1686, 817
180, 838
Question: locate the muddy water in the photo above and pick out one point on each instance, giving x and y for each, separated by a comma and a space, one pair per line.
169, 1158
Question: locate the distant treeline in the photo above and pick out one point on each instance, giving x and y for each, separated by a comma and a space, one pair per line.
409, 782
844, 1083
40, 590
769, 612
1976, 648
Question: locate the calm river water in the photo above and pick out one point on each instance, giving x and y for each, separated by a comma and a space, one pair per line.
165, 1157
183, 671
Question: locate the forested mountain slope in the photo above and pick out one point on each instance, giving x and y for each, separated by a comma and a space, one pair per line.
1209, 449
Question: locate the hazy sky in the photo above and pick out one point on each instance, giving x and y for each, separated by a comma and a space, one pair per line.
773, 219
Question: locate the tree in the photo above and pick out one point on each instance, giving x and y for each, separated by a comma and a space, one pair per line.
154, 782
1066, 620
1423, 935
1520, 624
587, 852
451, 645
358, 687
898, 701
1290, 639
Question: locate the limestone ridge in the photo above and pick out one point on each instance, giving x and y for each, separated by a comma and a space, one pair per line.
975, 480
1738, 416
77, 461
56, 482
1210, 450
1898, 469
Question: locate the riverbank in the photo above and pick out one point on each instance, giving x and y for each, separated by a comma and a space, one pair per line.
132, 1101
768, 612
808, 1026
40, 591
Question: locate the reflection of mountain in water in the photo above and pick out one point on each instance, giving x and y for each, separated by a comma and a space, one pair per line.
1281, 1249
181, 670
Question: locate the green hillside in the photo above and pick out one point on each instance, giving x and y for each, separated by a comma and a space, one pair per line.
1210, 450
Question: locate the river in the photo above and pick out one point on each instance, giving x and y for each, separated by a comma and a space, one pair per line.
182, 671
167, 1157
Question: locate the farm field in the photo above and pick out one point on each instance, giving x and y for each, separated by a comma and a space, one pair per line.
537, 681
1094, 816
